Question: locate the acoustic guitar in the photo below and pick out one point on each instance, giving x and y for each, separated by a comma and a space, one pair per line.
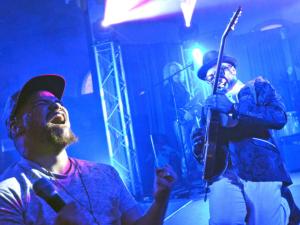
215, 164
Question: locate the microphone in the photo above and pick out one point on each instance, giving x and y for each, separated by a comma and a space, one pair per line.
45, 189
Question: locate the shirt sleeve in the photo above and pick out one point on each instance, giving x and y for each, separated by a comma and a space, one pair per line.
10, 203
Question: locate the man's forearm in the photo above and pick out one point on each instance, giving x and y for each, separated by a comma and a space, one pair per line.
266, 117
155, 214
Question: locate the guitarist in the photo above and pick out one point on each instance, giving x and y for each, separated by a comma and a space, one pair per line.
248, 187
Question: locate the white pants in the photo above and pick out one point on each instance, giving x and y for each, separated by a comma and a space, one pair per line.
251, 203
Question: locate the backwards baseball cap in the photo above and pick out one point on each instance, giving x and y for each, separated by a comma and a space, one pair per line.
45, 82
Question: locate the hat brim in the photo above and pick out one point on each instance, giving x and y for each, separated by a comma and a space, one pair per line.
53, 83
204, 68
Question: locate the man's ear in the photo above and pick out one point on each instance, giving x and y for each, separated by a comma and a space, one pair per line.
16, 128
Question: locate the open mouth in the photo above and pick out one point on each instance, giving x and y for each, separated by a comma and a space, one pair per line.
58, 118
223, 83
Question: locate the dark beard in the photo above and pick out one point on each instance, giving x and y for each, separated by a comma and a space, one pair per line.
60, 137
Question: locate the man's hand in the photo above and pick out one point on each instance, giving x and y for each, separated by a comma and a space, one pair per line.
164, 181
73, 214
219, 102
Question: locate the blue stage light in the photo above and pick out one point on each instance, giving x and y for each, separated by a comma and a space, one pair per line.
197, 55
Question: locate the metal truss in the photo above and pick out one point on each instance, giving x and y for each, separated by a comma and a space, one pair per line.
116, 113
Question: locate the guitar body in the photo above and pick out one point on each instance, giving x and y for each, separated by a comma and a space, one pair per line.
215, 161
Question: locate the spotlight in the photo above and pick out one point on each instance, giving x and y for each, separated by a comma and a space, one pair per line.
104, 23
187, 7
197, 55
193, 53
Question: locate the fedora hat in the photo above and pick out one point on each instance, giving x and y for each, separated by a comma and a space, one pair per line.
210, 59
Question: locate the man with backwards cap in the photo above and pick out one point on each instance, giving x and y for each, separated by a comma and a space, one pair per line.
250, 188
93, 193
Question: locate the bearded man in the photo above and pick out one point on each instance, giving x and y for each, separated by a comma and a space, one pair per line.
84, 192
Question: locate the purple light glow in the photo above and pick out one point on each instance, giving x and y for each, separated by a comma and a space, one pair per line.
127, 10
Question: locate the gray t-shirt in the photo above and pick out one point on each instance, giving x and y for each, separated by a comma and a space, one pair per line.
109, 198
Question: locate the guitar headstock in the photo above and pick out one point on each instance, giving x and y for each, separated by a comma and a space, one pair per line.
233, 21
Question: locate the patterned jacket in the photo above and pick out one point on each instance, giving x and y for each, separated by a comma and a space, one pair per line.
253, 153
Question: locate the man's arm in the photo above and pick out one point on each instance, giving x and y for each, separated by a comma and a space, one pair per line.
165, 179
260, 106
73, 214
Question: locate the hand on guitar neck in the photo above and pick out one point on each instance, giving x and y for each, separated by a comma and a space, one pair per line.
222, 104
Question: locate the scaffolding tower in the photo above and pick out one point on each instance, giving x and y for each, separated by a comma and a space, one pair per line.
116, 113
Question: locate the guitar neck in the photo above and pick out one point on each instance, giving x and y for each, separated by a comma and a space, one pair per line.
229, 27
219, 64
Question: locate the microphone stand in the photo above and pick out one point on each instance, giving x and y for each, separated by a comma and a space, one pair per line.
172, 75
176, 124
179, 129
182, 144
165, 79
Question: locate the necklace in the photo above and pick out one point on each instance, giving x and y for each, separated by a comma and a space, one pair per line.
77, 169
